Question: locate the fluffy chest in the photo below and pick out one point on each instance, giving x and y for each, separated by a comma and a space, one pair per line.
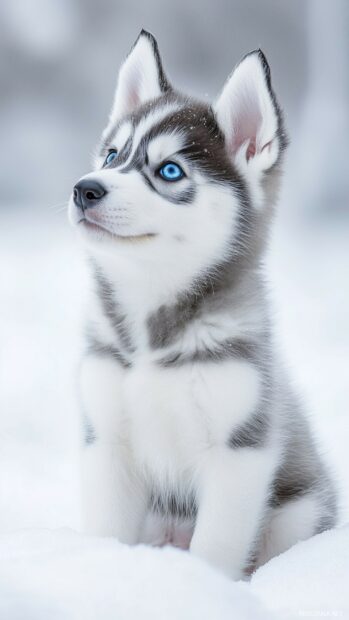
175, 415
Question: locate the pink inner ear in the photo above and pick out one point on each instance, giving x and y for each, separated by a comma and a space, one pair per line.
247, 120
133, 91
133, 98
251, 149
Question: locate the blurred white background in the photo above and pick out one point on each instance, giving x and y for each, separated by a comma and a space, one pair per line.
58, 68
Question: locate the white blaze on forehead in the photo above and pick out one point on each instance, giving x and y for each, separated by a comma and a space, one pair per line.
122, 135
149, 121
163, 146
117, 140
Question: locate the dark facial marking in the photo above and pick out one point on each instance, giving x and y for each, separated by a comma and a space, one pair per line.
181, 197
138, 159
147, 181
108, 143
203, 141
203, 146
139, 162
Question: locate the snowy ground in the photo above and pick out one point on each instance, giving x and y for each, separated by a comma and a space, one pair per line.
60, 575
53, 573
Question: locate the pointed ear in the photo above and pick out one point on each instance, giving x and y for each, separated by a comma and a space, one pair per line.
249, 116
141, 77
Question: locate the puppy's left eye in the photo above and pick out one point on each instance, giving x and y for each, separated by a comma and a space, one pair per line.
171, 171
110, 157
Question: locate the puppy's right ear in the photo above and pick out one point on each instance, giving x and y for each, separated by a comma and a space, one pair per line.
141, 77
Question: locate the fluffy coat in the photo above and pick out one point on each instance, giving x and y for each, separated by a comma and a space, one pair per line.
192, 433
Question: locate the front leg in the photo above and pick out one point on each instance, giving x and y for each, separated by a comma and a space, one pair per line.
233, 488
114, 499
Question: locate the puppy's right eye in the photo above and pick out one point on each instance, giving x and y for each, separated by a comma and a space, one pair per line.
110, 157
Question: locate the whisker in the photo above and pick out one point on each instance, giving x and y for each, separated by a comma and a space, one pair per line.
61, 209
58, 207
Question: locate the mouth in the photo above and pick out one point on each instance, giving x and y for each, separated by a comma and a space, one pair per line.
101, 231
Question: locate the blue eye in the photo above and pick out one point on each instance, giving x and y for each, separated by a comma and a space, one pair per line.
110, 157
171, 172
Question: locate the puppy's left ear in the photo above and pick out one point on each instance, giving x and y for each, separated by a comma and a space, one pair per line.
249, 116
141, 77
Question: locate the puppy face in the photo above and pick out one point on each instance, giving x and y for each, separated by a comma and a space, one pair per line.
175, 177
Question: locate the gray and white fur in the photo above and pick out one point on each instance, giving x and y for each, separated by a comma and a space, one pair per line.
193, 435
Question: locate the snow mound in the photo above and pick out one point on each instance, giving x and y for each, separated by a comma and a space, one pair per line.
59, 575
310, 580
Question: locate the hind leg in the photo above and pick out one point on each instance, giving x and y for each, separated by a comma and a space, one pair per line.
296, 520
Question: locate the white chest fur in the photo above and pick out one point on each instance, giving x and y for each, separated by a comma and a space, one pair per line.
177, 414
168, 417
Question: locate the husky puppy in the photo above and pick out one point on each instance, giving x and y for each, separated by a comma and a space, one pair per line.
193, 436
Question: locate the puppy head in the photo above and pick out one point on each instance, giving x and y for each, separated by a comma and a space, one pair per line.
176, 178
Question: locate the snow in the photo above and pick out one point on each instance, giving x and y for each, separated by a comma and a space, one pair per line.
59, 574
41, 282
311, 579
50, 572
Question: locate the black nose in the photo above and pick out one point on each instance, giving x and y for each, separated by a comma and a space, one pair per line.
87, 193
